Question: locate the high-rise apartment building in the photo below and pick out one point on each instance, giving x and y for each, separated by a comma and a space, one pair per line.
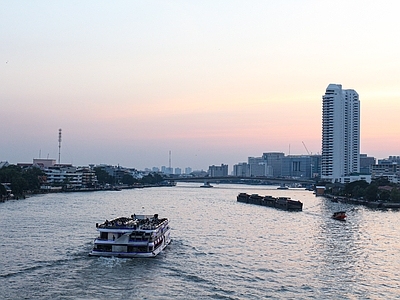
217, 171
340, 133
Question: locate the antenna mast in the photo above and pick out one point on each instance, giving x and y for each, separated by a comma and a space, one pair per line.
59, 146
170, 160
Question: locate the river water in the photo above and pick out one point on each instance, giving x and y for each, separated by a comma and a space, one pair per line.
221, 249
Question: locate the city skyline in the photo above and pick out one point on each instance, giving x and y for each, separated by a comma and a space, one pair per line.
212, 82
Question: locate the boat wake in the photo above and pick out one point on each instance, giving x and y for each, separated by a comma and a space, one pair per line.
112, 261
40, 265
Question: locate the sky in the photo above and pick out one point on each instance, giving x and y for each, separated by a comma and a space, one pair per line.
212, 82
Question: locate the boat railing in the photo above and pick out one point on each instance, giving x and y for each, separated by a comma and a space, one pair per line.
143, 224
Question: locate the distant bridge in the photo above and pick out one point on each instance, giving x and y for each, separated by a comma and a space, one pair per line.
242, 178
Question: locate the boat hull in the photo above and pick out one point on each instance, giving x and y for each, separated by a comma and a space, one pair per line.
283, 203
131, 254
340, 215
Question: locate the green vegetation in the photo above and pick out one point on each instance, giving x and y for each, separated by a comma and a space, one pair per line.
3, 191
129, 179
379, 189
21, 181
104, 178
152, 178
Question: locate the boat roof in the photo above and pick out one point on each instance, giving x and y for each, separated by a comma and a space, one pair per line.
135, 222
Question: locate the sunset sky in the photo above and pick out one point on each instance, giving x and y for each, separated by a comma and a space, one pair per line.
211, 81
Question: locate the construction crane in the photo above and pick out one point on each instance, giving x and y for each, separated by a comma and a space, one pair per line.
308, 152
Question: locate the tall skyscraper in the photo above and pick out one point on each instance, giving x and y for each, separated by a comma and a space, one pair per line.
340, 133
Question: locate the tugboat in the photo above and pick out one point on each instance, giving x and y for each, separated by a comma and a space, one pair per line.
206, 185
339, 215
282, 187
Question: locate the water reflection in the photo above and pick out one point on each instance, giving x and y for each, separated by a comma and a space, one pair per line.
349, 252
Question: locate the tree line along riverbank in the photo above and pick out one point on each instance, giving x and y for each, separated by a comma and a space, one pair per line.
380, 193
17, 182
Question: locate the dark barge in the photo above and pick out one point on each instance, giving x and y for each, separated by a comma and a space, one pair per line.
284, 203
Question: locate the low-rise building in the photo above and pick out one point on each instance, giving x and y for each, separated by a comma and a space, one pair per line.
67, 177
389, 170
89, 178
355, 177
365, 163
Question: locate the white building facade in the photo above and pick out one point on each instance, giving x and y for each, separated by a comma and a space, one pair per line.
340, 133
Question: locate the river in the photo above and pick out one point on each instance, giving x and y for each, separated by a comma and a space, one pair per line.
221, 249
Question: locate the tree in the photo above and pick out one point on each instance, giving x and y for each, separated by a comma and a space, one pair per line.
358, 192
152, 178
356, 189
395, 195
384, 195
7, 174
33, 177
371, 192
3, 190
381, 181
21, 180
102, 176
128, 179
19, 185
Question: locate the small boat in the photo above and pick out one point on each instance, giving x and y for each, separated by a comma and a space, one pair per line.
282, 187
136, 236
206, 185
339, 215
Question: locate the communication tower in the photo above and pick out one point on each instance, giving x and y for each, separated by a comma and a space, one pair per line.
169, 165
59, 146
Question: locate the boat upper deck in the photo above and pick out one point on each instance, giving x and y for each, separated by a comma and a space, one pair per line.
135, 222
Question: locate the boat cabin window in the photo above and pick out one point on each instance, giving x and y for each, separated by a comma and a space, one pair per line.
137, 249
105, 248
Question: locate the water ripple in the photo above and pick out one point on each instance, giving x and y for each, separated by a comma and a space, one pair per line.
221, 249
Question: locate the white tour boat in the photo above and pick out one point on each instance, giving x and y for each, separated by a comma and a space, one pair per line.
137, 236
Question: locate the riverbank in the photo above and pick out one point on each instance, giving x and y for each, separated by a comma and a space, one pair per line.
370, 204
80, 190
